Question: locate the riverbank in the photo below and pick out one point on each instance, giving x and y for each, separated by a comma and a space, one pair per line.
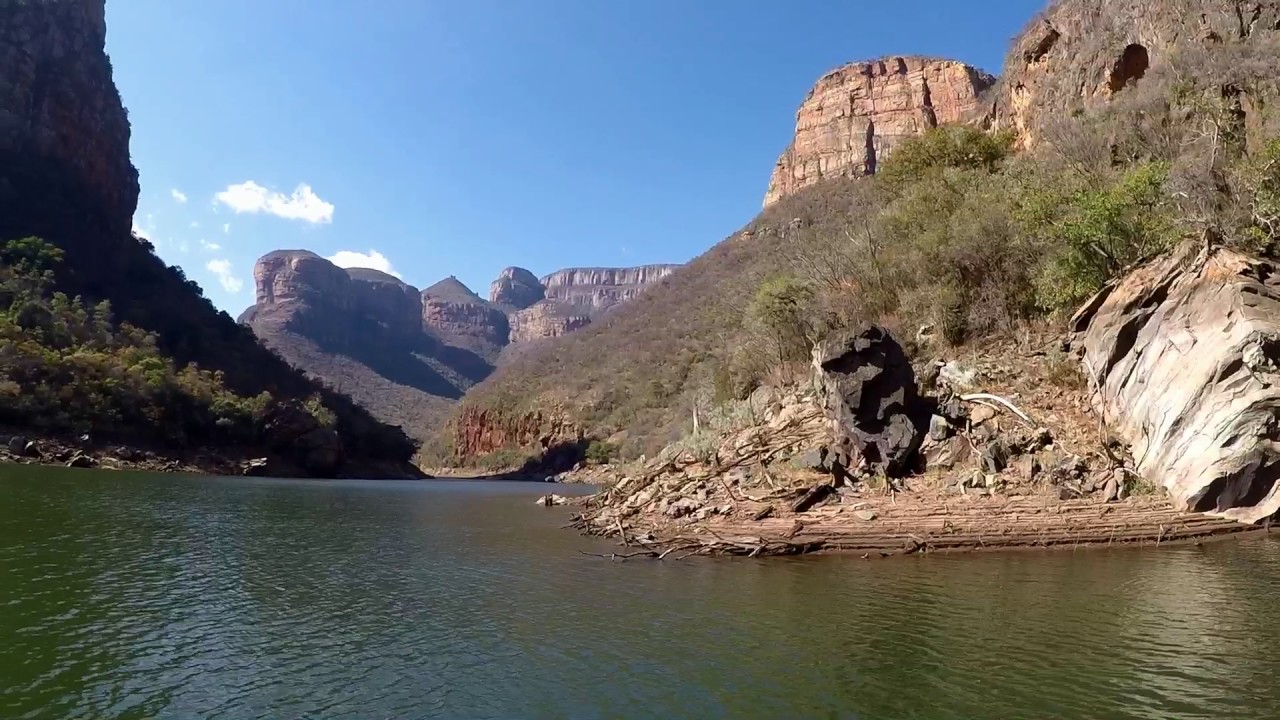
1042, 474
26, 449
908, 523
21, 448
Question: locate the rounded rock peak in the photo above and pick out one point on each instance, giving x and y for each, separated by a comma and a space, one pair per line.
516, 287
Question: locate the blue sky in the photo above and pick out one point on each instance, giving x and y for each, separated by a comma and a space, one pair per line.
460, 137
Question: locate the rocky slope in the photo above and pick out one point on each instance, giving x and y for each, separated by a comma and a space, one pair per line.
405, 355
1084, 52
977, 476
66, 176
855, 114
632, 375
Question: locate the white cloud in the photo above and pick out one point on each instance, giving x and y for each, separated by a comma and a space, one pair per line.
303, 204
210, 247
373, 259
184, 246
194, 224
226, 228
137, 230
178, 195
222, 268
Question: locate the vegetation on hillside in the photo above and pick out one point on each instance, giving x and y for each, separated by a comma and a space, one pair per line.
956, 238
68, 367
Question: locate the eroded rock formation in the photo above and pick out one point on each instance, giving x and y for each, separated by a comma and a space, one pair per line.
1184, 355
547, 319
61, 119
595, 290
1080, 52
855, 115
516, 288
405, 355
386, 300
481, 432
450, 308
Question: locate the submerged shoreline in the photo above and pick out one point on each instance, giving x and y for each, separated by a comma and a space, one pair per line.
913, 523
21, 448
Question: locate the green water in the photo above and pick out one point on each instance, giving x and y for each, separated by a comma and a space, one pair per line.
132, 596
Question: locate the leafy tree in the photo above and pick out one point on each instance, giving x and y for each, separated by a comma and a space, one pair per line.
781, 307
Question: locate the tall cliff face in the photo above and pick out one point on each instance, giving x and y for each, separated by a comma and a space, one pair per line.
450, 308
66, 176
387, 300
403, 355
855, 115
1083, 52
595, 290
63, 128
547, 319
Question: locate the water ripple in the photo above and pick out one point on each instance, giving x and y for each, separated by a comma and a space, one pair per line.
139, 597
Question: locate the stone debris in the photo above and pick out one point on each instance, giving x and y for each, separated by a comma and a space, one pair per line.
551, 500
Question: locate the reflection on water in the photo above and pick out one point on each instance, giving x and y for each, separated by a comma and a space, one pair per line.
130, 596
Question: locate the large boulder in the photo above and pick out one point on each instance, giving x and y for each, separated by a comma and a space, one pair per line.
1184, 358
871, 399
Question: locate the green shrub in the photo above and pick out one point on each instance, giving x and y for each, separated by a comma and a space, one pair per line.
600, 452
949, 146
1093, 235
781, 310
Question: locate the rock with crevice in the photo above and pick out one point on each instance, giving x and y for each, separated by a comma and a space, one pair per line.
871, 399
1082, 53
1181, 356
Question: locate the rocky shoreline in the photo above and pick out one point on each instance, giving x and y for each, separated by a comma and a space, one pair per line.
845, 466
20, 448
24, 449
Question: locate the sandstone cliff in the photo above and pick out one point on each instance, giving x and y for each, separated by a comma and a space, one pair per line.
386, 300
855, 115
61, 118
547, 319
595, 290
404, 355
407, 356
516, 288
1081, 52
450, 308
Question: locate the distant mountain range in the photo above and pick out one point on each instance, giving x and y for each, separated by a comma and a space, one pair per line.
408, 355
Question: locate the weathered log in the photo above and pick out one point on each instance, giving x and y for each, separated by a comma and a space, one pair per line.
812, 497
